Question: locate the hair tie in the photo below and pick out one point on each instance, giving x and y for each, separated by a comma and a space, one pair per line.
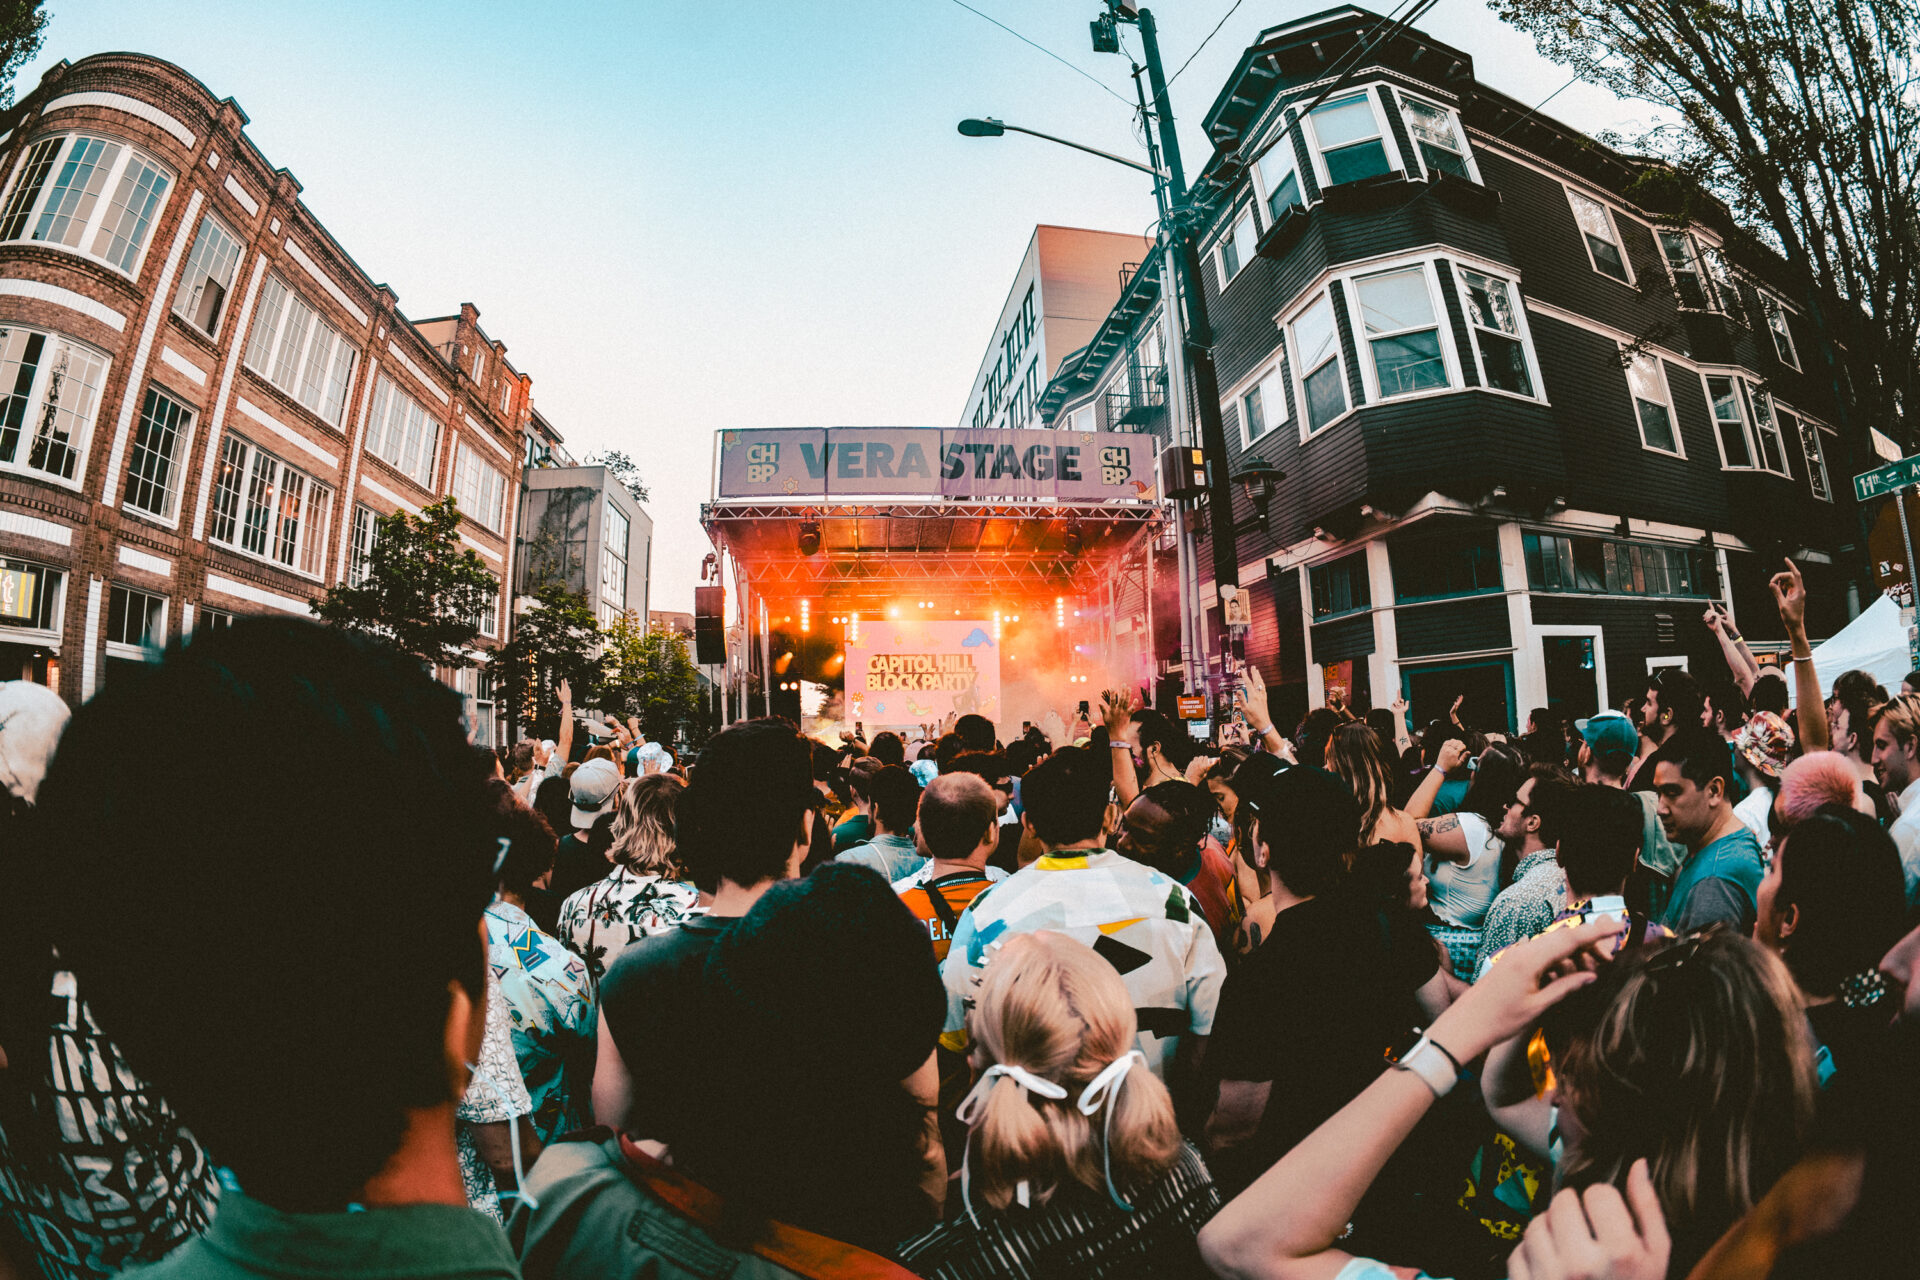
1100, 1092
969, 1107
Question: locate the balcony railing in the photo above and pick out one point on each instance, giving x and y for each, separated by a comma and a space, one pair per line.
1144, 397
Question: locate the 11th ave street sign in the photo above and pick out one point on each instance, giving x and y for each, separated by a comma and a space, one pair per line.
1887, 479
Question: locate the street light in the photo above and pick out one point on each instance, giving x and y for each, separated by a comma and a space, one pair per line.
988, 127
1258, 477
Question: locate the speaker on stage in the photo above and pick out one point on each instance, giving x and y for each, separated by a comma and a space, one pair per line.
709, 626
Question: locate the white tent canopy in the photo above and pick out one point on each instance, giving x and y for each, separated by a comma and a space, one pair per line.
1874, 642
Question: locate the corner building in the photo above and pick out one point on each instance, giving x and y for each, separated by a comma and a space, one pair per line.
1531, 421
207, 400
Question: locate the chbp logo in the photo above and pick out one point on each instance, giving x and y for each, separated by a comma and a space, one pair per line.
1116, 464
763, 462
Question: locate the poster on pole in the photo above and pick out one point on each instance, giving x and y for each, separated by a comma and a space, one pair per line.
902, 673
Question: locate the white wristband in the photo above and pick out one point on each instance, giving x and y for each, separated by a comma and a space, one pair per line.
1432, 1064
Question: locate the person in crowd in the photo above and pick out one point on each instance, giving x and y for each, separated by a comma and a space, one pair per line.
1832, 904
995, 768
1354, 753
1303, 1018
582, 857
1544, 741
1166, 828
1726, 709
1606, 758
1148, 747
1689, 1088
550, 757
548, 992
1455, 780
1693, 780
1671, 704
744, 824
1910, 682
1463, 853
1074, 1165
1139, 919
1896, 762
1810, 783
552, 799
1850, 720
892, 852
319, 1049
646, 891
1391, 728
956, 831
1252, 891
1760, 751
804, 1142
1531, 831
976, 734
888, 748
516, 765
857, 826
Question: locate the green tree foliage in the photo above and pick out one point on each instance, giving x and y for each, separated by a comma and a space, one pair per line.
624, 469
23, 29
1802, 117
420, 590
650, 674
557, 639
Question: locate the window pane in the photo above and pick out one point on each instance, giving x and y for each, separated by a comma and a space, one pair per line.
1607, 258
1810, 447
1441, 160
1252, 416
1344, 120
1326, 396
1314, 334
1396, 301
124, 230
208, 277
1489, 302
33, 179
1277, 176
1244, 237
1656, 425
150, 474
1504, 363
1730, 421
260, 490
1409, 362
1643, 377
1229, 259
1362, 160
293, 342
266, 321
66, 412
1592, 217
226, 491
19, 365
75, 192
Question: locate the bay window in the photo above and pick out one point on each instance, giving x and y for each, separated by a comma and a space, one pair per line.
1323, 383
153, 473
1399, 321
1237, 246
298, 352
1436, 136
61, 198
1263, 406
400, 433
1493, 322
49, 397
1602, 238
1690, 284
1652, 402
1349, 138
1279, 177
205, 283
269, 510
1730, 421
480, 490
1773, 449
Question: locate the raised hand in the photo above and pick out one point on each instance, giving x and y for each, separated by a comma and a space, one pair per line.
1790, 596
1250, 699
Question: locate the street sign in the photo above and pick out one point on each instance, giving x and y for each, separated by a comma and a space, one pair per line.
17, 595
1192, 707
1881, 480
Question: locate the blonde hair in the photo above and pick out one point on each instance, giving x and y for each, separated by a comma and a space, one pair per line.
1702, 1063
1354, 753
1049, 1004
643, 839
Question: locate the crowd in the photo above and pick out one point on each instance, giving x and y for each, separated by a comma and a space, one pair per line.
1632, 996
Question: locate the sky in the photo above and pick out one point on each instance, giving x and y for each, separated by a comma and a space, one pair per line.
693, 216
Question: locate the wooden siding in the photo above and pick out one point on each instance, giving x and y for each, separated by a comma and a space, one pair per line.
1469, 625
1350, 637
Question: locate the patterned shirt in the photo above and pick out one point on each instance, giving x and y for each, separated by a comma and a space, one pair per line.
1147, 925
600, 921
1526, 906
550, 1007
495, 1094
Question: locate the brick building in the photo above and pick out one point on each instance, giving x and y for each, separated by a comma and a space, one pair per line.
1531, 420
207, 398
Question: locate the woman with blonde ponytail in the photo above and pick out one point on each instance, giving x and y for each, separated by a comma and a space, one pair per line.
1074, 1166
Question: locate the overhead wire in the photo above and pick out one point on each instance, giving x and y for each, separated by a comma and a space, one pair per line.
1073, 67
1203, 44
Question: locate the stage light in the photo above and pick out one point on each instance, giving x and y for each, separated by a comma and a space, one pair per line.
810, 538
1059, 611
853, 628
996, 624
1073, 541
806, 617
893, 611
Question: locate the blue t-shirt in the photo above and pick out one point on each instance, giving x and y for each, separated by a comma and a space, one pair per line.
1717, 885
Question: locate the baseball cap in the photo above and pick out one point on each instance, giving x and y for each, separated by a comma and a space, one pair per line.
1766, 742
1609, 731
592, 787
32, 717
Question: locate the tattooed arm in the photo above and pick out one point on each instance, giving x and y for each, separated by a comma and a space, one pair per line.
1445, 837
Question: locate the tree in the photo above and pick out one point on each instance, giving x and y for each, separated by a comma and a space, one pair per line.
650, 675
624, 469
1801, 116
555, 640
23, 29
419, 590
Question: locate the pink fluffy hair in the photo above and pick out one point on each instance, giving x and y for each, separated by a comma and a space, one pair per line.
1815, 779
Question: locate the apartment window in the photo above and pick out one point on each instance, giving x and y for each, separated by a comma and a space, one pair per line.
506, 396
360, 556
615, 529
1652, 402
487, 617
1340, 587
1493, 318
401, 433
479, 363
1349, 138
213, 620
1730, 420
153, 475
1815, 454
298, 352
32, 596
49, 396
1726, 283
1436, 135
136, 619
1081, 419
269, 510
1397, 316
1603, 239
1683, 263
204, 285
62, 198
1773, 448
1237, 246
1603, 566
1322, 376
1264, 405
480, 490
1782, 335
1449, 563
1279, 177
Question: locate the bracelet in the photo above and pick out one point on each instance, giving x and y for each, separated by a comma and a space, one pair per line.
1118, 746
1801, 657
1263, 730
1457, 1068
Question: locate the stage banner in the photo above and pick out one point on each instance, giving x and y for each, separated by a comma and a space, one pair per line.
850, 462
915, 672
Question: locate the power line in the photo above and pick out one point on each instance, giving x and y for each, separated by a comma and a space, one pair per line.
1076, 69
1203, 44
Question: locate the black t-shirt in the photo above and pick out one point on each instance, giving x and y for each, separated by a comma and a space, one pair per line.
1006, 856
651, 999
582, 859
1314, 1010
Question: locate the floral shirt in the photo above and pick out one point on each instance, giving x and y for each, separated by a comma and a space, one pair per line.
550, 1009
496, 1093
600, 921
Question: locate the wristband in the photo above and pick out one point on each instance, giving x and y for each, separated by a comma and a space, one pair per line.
1261, 732
1119, 746
1434, 1066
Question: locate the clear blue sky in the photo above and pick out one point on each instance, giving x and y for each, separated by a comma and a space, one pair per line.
682, 217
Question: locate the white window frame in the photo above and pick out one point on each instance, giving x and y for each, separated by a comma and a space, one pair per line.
1709, 287
1363, 343
1275, 373
362, 532
1777, 312
177, 464
314, 520
1263, 191
138, 652
269, 338
1744, 392
1757, 400
1321, 293
1516, 303
1453, 117
389, 423
1081, 418
488, 619
1813, 450
194, 276
1613, 225
55, 609
99, 206
1245, 215
479, 488
1673, 416
1371, 91
203, 619
80, 438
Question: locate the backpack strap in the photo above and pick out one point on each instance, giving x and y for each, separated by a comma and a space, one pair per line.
938, 900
